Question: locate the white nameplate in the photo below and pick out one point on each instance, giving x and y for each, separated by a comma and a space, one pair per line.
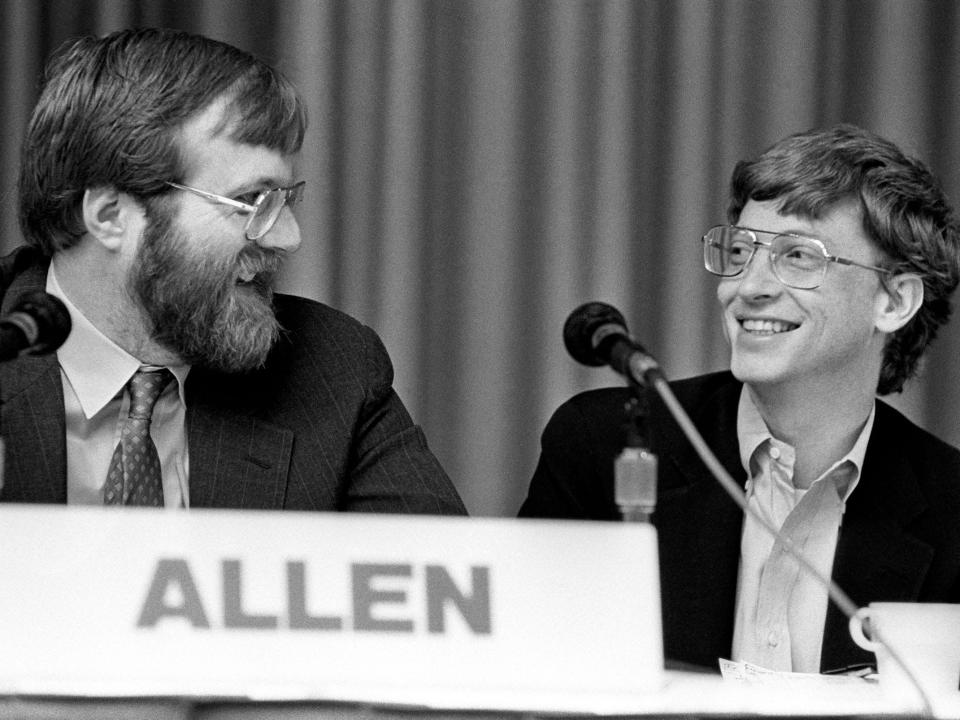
283, 605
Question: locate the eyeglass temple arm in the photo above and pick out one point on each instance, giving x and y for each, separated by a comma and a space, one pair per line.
831, 258
847, 261
215, 198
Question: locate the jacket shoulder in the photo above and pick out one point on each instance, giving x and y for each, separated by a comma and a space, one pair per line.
691, 392
303, 314
24, 264
704, 388
314, 329
934, 462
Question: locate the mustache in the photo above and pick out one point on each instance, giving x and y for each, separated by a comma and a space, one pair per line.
254, 261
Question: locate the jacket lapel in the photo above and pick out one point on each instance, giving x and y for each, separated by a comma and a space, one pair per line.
31, 417
699, 528
237, 459
878, 558
32, 424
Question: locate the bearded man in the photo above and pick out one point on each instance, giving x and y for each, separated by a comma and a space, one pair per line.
157, 177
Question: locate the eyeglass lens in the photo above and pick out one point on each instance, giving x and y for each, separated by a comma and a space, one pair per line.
269, 207
797, 262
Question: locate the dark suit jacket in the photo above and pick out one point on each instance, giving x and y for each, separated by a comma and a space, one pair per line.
318, 428
900, 539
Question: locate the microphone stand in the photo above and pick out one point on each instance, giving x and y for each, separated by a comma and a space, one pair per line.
635, 468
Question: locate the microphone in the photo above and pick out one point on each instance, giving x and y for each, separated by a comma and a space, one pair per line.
596, 334
38, 324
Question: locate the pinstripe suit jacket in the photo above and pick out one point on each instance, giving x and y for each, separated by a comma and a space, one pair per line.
318, 428
900, 539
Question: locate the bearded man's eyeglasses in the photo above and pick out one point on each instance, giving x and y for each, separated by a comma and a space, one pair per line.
798, 262
263, 211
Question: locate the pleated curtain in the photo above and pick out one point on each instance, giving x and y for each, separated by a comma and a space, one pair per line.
478, 168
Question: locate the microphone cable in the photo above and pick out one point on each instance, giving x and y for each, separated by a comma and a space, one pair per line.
732, 488
582, 329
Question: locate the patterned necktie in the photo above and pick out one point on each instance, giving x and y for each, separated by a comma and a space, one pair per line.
134, 476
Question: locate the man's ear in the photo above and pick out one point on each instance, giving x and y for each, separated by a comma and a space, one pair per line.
900, 302
110, 216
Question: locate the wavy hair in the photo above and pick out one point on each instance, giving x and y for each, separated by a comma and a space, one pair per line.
110, 110
903, 210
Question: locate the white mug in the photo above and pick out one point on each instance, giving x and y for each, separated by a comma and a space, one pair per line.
926, 636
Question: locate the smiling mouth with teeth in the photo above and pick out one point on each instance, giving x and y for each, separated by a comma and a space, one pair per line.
767, 327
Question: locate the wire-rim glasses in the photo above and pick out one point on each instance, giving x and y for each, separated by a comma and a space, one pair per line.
797, 261
263, 212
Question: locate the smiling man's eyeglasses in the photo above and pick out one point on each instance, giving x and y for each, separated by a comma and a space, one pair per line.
263, 211
798, 262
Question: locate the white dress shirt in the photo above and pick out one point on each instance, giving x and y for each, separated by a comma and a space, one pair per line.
781, 609
94, 371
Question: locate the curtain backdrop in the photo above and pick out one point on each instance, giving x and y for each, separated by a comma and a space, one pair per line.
478, 168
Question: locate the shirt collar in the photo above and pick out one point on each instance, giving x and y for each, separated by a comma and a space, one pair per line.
752, 432
95, 366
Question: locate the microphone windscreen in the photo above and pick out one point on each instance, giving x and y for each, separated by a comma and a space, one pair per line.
51, 317
582, 325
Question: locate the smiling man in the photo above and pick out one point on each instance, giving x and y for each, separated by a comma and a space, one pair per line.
836, 270
156, 190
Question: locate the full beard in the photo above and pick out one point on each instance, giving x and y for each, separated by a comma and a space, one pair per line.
195, 303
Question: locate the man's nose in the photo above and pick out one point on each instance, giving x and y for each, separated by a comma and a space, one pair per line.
758, 278
284, 235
